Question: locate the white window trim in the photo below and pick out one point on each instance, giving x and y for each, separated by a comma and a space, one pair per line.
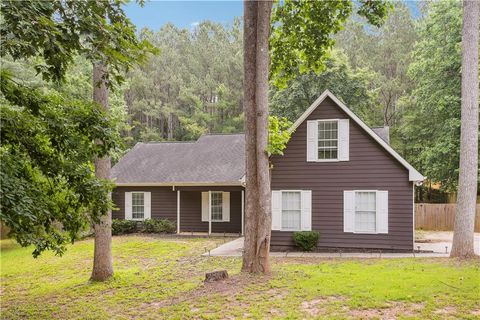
210, 204
376, 213
316, 142
145, 213
206, 206
302, 225
301, 209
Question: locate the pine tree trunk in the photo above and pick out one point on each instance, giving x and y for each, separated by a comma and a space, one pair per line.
170, 126
102, 257
258, 195
463, 237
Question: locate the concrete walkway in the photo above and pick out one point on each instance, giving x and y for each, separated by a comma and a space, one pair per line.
431, 241
440, 241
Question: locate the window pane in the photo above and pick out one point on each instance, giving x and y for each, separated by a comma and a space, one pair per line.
138, 205
327, 140
291, 210
365, 212
217, 206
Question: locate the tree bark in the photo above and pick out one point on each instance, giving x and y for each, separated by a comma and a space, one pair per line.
102, 257
258, 195
463, 236
170, 126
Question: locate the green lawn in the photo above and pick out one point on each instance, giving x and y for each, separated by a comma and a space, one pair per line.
162, 278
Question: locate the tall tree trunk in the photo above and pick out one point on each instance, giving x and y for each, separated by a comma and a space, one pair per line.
463, 237
102, 257
258, 215
170, 126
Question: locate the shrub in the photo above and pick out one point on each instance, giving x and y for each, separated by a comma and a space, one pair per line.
306, 240
120, 226
159, 226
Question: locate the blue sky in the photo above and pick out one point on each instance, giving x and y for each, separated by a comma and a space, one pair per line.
185, 14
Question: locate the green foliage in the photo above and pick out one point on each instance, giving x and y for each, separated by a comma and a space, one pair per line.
278, 135
302, 31
159, 226
57, 31
431, 129
122, 226
385, 53
194, 86
306, 240
49, 138
351, 86
47, 180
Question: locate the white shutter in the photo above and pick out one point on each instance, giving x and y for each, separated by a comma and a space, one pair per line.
306, 210
348, 211
147, 205
276, 210
312, 140
382, 211
343, 139
205, 206
226, 207
128, 205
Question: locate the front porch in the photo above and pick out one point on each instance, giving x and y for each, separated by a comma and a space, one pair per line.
210, 210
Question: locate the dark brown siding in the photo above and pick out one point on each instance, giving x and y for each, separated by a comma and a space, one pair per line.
370, 167
164, 202
164, 205
191, 210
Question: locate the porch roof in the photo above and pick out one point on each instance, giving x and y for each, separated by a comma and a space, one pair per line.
212, 159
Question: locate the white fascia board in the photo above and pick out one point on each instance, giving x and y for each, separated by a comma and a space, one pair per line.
177, 184
413, 174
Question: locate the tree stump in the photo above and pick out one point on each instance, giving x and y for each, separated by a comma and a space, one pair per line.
216, 276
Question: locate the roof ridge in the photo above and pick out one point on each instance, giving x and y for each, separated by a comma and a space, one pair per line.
159, 142
221, 134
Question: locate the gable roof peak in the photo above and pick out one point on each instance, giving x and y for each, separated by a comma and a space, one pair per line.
413, 174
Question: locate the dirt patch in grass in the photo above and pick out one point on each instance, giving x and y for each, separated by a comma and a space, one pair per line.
446, 311
319, 306
227, 287
392, 311
476, 312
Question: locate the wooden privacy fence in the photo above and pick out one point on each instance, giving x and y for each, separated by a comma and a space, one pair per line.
439, 216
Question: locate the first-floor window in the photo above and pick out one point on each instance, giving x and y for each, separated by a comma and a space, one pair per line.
217, 205
291, 210
365, 211
138, 205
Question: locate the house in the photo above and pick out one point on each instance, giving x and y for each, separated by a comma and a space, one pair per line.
337, 176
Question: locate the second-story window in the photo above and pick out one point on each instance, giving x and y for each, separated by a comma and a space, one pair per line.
328, 139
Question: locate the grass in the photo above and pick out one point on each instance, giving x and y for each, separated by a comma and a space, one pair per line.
163, 278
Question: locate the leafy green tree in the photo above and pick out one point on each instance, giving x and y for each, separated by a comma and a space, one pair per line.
192, 87
278, 135
349, 85
46, 184
430, 131
386, 53
53, 33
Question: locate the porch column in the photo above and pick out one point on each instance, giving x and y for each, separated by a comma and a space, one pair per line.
178, 211
243, 212
209, 212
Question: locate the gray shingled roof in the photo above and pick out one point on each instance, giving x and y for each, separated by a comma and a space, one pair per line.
210, 159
